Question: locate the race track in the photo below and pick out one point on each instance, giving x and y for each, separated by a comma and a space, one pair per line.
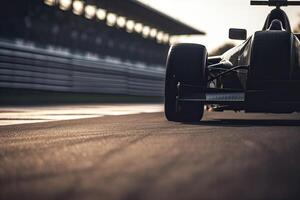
143, 156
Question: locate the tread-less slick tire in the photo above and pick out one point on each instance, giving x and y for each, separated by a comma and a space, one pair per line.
186, 63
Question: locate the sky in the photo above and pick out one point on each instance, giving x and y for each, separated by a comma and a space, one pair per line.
215, 17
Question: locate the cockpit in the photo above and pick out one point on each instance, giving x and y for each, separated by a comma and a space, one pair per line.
273, 21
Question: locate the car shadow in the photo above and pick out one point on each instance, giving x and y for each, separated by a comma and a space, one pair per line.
247, 122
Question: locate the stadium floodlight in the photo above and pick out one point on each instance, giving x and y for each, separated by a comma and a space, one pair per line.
173, 39
153, 32
65, 4
50, 2
90, 11
78, 7
138, 27
121, 21
160, 36
101, 14
146, 31
130, 26
166, 38
111, 19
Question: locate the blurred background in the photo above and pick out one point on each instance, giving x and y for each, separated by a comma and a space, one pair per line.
216, 17
58, 51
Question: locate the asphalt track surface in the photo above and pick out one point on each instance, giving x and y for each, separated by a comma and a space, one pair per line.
143, 156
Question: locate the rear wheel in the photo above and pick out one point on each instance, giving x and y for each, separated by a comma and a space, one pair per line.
186, 64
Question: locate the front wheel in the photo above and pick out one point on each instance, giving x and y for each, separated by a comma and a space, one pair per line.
186, 64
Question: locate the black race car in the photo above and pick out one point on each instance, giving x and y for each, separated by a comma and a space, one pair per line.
260, 75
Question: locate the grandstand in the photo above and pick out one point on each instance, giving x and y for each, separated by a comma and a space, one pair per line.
81, 46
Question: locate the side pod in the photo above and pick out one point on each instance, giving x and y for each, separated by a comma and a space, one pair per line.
273, 79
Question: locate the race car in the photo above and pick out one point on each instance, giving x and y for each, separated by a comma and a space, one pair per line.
260, 75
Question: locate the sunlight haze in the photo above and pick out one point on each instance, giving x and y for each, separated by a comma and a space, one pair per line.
215, 17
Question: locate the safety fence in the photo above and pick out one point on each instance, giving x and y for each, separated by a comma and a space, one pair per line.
27, 67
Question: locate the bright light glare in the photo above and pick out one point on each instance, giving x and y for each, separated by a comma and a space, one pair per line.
153, 32
121, 22
101, 14
111, 19
130, 25
65, 4
77, 7
173, 39
166, 38
159, 36
138, 27
90, 11
50, 2
146, 31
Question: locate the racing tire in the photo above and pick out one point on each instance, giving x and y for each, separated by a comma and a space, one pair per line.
186, 63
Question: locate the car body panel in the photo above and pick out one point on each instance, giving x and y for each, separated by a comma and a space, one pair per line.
271, 81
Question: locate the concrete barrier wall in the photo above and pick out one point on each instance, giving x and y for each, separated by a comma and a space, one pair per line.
26, 67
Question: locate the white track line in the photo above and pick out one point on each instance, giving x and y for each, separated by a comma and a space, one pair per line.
23, 115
